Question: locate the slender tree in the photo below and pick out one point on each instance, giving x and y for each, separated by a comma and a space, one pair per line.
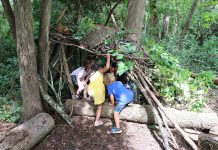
134, 19
188, 19
10, 17
27, 61
154, 31
164, 33
45, 6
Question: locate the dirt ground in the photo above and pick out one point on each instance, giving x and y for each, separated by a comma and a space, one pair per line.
84, 136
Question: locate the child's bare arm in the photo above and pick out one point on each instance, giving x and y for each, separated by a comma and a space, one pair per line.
85, 74
112, 99
105, 69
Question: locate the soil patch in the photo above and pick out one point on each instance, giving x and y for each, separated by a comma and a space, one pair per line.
83, 135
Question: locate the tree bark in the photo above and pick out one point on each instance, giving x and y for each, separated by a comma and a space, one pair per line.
165, 29
134, 19
26, 135
141, 114
207, 142
27, 61
10, 17
45, 6
188, 19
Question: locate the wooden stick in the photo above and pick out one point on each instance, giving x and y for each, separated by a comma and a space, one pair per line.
114, 21
146, 80
175, 145
67, 73
90, 51
53, 104
159, 121
185, 136
60, 83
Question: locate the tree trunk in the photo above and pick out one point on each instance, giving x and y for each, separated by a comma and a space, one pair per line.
207, 142
10, 17
45, 6
154, 31
28, 134
141, 114
27, 61
134, 19
188, 19
166, 21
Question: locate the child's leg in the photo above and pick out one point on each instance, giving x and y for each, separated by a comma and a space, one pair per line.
98, 112
98, 122
80, 87
117, 120
118, 108
85, 91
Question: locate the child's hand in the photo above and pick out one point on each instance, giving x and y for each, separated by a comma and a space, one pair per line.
108, 55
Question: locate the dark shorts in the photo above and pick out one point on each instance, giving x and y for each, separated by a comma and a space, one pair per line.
74, 79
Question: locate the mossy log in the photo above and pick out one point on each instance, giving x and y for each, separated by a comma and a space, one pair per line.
26, 135
143, 114
208, 142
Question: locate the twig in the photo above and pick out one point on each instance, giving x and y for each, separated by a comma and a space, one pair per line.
52, 88
111, 11
81, 47
60, 85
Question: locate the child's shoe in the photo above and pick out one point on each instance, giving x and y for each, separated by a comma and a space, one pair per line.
116, 130
98, 123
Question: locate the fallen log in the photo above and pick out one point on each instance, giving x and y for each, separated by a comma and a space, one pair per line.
143, 114
26, 135
85, 108
214, 130
207, 142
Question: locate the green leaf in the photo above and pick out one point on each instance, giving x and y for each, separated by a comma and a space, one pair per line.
115, 54
119, 56
110, 51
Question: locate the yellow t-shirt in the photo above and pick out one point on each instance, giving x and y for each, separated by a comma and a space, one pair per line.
96, 88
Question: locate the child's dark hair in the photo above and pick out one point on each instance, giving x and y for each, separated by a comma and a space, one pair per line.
89, 60
97, 65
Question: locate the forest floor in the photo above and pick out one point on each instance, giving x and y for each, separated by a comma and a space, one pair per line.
83, 135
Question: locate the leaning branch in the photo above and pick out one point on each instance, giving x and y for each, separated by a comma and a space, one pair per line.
53, 104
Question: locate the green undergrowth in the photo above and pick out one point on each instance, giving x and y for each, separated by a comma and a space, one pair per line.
176, 83
10, 97
10, 109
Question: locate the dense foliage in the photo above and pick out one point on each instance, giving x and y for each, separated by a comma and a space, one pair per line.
175, 59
